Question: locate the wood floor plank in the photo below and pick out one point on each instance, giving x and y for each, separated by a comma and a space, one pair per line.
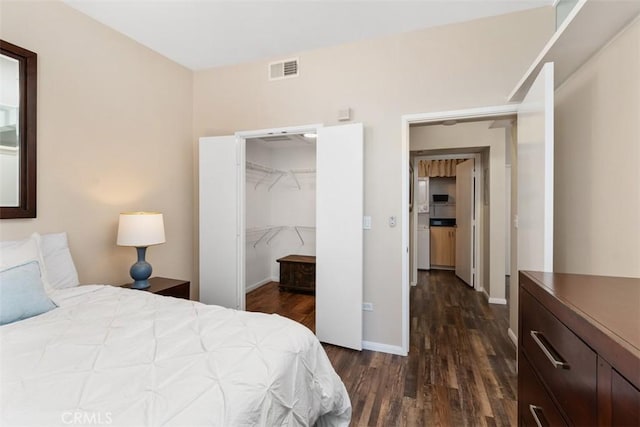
461, 365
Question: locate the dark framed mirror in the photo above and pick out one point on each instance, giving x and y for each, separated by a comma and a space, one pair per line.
18, 87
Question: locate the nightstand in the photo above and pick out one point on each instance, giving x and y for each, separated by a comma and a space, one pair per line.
167, 287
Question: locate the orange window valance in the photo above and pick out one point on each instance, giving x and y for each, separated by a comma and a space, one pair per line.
438, 168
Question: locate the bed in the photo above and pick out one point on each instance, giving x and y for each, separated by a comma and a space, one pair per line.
112, 356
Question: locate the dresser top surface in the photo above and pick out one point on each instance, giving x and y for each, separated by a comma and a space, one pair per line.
611, 304
304, 259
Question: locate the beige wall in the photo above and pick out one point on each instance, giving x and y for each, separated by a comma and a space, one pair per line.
114, 134
446, 68
597, 178
597, 158
477, 136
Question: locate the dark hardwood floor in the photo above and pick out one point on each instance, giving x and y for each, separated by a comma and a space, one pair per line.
461, 366
297, 306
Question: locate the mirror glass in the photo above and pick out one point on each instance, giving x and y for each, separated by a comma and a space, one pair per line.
9, 141
18, 81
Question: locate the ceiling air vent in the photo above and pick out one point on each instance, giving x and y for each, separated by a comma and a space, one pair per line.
283, 69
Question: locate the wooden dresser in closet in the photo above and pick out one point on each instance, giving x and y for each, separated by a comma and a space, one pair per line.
578, 350
298, 273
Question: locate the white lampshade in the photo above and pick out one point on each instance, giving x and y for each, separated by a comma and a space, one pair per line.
140, 229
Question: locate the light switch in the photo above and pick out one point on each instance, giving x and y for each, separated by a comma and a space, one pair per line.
366, 222
393, 221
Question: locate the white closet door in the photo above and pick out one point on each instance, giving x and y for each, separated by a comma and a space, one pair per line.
339, 239
220, 222
464, 221
535, 175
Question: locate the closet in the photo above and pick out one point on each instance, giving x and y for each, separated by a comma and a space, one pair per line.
280, 212
263, 198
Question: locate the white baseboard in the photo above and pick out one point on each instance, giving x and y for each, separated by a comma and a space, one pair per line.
513, 337
414, 283
259, 284
492, 300
383, 348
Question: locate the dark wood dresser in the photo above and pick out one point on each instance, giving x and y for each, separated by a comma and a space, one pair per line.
167, 287
298, 273
578, 350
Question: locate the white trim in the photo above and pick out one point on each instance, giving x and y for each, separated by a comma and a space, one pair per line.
486, 295
241, 145
413, 274
500, 301
513, 337
471, 113
404, 170
405, 121
549, 142
259, 284
286, 129
383, 348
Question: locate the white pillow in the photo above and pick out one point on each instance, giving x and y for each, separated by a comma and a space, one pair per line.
60, 271
18, 252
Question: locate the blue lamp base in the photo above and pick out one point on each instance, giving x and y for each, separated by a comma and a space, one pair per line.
141, 270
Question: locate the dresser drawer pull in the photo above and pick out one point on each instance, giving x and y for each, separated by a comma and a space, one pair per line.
549, 353
534, 411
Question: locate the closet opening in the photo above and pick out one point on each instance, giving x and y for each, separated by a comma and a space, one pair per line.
280, 224
272, 199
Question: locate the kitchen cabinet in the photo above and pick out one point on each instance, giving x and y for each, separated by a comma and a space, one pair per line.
443, 247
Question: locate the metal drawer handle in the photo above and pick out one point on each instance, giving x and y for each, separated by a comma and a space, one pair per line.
534, 411
554, 361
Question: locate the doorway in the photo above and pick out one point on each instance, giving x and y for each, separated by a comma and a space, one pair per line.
444, 233
280, 203
495, 184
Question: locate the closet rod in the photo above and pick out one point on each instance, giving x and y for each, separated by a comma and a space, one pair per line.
293, 175
262, 237
260, 168
264, 177
276, 181
299, 236
274, 235
266, 231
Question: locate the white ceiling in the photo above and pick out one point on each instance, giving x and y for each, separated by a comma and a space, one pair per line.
209, 33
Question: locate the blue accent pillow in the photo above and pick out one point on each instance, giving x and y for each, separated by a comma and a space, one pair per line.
22, 293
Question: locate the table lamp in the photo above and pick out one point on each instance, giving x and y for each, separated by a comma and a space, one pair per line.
140, 229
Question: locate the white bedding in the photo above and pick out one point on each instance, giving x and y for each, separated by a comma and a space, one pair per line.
113, 356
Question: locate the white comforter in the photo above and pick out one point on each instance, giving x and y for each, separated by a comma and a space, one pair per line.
112, 356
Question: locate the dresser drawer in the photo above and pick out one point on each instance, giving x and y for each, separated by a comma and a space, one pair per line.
563, 361
535, 407
625, 402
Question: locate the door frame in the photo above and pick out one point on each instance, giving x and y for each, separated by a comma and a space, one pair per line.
241, 144
406, 120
